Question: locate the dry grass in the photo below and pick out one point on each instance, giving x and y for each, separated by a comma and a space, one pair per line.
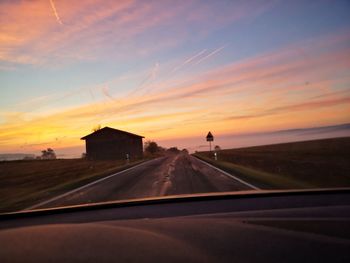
318, 163
24, 183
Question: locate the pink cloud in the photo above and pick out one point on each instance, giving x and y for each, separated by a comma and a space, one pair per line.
33, 32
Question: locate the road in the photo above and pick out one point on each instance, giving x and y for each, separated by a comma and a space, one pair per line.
170, 175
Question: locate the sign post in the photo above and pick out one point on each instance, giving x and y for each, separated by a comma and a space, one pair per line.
210, 138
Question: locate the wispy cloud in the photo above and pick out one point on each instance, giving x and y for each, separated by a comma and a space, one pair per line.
284, 87
319, 104
29, 38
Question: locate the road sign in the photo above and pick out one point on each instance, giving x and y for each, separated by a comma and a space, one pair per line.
210, 137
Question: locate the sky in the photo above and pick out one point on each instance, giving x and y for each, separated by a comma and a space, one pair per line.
170, 70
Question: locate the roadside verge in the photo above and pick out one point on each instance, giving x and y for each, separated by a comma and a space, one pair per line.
26, 183
259, 179
228, 174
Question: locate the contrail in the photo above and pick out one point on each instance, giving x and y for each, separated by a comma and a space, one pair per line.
149, 78
188, 60
210, 54
91, 94
55, 12
155, 71
105, 91
152, 75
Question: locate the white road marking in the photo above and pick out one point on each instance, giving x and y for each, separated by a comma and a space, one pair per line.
228, 174
85, 186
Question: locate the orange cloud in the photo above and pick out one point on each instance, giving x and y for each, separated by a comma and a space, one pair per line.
319, 104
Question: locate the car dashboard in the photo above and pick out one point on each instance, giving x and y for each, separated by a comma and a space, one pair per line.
247, 226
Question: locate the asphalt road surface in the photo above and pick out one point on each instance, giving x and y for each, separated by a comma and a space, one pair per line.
170, 175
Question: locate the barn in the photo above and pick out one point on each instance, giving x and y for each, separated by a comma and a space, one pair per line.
108, 144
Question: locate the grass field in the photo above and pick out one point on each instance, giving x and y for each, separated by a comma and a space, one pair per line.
308, 164
24, 183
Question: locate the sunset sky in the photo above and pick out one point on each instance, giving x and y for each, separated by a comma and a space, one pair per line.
169, 70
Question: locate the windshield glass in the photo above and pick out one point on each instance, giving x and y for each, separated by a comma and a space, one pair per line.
117, 100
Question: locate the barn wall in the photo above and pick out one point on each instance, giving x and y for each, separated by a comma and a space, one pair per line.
114, 147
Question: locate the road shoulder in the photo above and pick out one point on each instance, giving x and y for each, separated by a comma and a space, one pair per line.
259, 179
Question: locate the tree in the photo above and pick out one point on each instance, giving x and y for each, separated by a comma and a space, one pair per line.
151, 147
173, 150
217, 148
48, 154
96, 128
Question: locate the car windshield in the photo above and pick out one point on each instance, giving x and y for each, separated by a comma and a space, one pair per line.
119, 100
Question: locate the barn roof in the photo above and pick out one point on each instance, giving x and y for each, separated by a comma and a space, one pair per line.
101, 131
